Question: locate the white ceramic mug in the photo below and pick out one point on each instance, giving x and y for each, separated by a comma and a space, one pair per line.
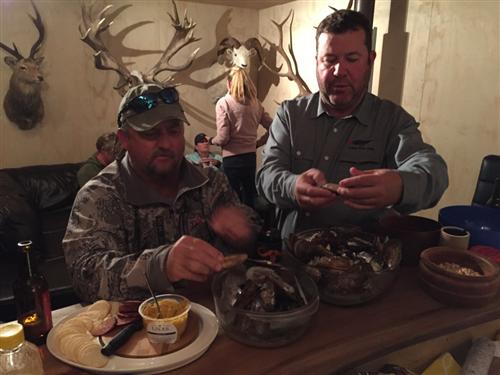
455, 237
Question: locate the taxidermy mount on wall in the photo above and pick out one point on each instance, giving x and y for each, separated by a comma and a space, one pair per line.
23, 102
91, 31
233, 54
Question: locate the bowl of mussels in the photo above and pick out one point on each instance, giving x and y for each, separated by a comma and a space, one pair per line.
264, 306
350, 266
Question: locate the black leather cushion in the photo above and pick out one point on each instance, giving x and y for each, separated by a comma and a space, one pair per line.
35, 203
18, 220
490, 169
48, 187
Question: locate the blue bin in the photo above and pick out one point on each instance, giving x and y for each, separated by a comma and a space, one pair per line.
482, 222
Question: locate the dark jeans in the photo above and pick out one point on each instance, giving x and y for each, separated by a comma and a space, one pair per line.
240, 171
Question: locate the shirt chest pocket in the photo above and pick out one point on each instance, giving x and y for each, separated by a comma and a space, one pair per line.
365, 157
302, 159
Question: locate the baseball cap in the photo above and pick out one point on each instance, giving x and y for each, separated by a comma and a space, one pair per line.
200, 138
163, 104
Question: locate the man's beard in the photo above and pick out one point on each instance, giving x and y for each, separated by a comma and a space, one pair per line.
154, 172
352, 104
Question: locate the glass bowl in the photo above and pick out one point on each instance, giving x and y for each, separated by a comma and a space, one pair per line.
350, 267
280, 326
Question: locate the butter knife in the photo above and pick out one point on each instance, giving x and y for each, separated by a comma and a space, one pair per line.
121, 337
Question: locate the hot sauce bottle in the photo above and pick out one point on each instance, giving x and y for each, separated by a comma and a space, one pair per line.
32, 298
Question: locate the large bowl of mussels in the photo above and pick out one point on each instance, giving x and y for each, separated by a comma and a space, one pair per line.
264, 306
350, 266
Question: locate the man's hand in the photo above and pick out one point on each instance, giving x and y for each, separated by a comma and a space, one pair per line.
375, 188
308, 192
192, 259
232, 224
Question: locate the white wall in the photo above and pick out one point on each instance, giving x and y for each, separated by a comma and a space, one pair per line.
80, 101
451, 77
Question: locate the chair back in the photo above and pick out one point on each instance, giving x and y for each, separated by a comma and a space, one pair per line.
490, 169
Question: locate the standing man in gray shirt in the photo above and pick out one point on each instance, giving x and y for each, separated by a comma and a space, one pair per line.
369, 148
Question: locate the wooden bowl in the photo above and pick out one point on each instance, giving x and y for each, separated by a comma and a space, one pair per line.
454, 288
415, 233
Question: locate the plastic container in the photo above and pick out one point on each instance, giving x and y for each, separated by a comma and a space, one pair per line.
170, 327
261, 329
18, 356
482, 222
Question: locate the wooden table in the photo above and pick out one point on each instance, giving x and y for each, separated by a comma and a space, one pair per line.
340, 338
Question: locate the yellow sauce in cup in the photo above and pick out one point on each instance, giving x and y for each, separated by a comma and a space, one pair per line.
174, 313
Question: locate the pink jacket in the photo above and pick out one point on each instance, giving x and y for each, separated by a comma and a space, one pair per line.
237, 126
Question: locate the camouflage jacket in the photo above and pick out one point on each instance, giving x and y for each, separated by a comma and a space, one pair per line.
120, 229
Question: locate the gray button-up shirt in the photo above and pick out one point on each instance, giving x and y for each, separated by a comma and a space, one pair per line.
379, 134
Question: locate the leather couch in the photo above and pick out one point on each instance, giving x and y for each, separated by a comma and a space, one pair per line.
35, 203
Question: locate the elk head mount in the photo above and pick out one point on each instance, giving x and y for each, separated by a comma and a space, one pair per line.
23, 102
91, 31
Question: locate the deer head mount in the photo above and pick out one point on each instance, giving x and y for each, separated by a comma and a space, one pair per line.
232, 54
292, 72
23, 103
91, 31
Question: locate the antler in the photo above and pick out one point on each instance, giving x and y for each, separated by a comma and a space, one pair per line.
183, 36
91, 31
226, 43
14, 52
41, 31
349, 6
290, 74
36, 46
255, 44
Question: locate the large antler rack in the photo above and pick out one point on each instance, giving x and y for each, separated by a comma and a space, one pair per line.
183, 36
36, 46
293, 72
91, 31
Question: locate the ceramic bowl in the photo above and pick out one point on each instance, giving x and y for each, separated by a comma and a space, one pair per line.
482, 222
416, 234
458, 277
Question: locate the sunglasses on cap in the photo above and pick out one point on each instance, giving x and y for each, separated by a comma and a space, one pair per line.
148, 101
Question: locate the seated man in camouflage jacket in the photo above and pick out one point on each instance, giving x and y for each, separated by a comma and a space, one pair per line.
152, 213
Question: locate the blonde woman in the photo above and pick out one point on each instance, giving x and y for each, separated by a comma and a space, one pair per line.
238, 115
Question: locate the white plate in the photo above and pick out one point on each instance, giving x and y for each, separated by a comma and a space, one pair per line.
209, 326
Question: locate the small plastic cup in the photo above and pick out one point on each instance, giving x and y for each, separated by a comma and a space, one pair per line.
172, 324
